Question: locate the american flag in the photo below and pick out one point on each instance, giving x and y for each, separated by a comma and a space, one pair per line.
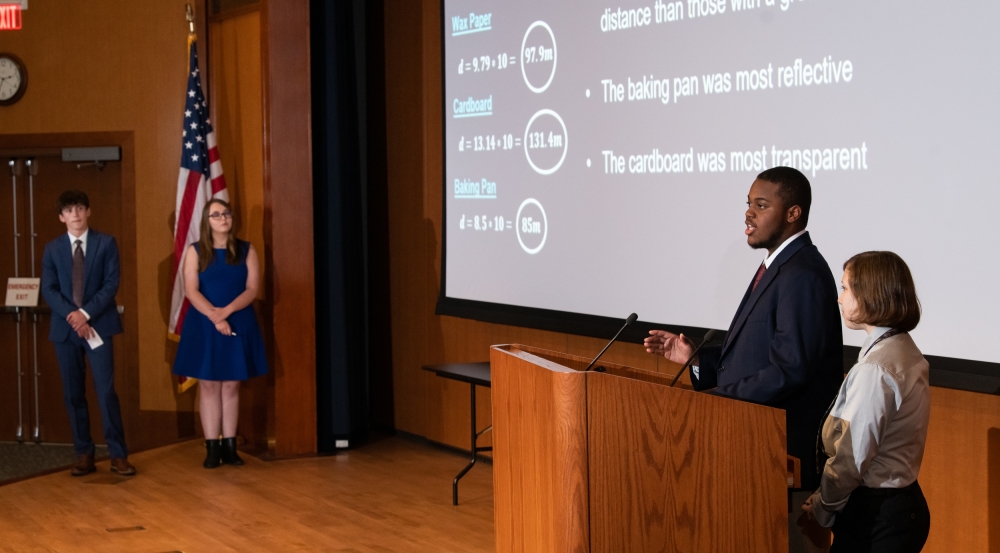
200, 180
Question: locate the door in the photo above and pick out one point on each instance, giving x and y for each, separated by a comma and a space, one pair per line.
40, 413
12, 421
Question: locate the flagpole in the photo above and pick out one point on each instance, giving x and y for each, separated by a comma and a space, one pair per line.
192, 36
189, 13
199, 181
187, 383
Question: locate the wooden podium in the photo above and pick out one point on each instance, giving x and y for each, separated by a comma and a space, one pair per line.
618, 461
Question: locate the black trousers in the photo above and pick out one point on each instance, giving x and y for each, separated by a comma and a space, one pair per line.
882, 521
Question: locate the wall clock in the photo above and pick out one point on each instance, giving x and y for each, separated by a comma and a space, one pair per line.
13, 79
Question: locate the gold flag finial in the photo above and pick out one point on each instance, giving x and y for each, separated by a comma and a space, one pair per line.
190, 18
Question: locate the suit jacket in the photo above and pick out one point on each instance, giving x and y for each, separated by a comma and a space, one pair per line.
101, 272
785, 348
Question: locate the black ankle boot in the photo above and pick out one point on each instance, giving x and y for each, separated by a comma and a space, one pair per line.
229, 455
214, 457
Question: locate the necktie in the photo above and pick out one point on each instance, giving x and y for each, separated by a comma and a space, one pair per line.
78, 273
760, 274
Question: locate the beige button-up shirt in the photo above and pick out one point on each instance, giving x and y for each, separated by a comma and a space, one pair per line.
876, 432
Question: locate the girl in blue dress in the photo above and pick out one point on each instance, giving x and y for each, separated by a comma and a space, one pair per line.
221, 344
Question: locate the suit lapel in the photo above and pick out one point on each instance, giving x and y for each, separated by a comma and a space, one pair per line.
65, 258
736, 317
750, 299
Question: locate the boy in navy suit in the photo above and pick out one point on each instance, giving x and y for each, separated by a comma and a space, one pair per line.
79, 282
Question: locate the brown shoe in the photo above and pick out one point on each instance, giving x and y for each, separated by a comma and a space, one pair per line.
84, 465
122, 467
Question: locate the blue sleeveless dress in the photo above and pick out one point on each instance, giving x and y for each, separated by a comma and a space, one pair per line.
205, 353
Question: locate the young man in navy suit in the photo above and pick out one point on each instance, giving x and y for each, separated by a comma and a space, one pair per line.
79, 282
784, 347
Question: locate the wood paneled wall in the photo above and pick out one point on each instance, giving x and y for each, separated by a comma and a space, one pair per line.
236, 86
960, 475
112, 65
288, 225
961, 471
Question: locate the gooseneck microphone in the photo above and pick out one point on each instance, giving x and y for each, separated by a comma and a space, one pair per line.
708, 336
631, 319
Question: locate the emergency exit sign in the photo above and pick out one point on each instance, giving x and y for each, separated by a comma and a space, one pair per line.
10, 17
23, 292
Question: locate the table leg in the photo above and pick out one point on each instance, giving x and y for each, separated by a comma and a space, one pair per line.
454, 485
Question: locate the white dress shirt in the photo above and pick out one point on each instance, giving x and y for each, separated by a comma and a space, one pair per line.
83, 246
82, 238
877, 429
770, 258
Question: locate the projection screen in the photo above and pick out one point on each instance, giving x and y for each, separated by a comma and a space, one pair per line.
598, 155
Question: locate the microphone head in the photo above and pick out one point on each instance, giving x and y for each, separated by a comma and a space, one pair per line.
631, 319
712, 333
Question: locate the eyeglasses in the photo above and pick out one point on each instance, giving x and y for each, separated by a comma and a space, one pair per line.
225, 214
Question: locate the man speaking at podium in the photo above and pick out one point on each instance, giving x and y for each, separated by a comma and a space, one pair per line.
784, 347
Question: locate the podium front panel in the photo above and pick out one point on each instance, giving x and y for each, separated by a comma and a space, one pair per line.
675, 470
619, 461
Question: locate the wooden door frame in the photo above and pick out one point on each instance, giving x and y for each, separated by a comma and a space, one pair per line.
126, 346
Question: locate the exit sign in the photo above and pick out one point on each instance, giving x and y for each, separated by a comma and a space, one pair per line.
10, 17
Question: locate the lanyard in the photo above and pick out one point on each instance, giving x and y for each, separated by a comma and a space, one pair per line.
887, 334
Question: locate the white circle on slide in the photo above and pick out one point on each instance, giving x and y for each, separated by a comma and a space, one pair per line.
545, 226
555, 55
565, 142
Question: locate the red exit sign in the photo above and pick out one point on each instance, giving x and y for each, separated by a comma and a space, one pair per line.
10, 17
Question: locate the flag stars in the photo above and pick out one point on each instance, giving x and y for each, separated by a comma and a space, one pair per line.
188, 145
191, 94
187, 113
198, 138
194, 125
194, 157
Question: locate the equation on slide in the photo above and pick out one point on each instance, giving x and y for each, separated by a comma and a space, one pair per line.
542, 139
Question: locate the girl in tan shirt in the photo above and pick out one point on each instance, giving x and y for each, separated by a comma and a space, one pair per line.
877, 426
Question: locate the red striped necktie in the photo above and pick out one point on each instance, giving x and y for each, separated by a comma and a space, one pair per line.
760, 274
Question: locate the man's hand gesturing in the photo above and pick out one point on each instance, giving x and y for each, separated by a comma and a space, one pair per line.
676, 348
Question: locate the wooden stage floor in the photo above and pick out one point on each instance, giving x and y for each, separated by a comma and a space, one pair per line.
393, 495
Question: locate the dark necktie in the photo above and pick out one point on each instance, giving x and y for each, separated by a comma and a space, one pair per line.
78, 273
760, 274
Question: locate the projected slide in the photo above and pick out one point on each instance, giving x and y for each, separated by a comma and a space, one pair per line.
598, 154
